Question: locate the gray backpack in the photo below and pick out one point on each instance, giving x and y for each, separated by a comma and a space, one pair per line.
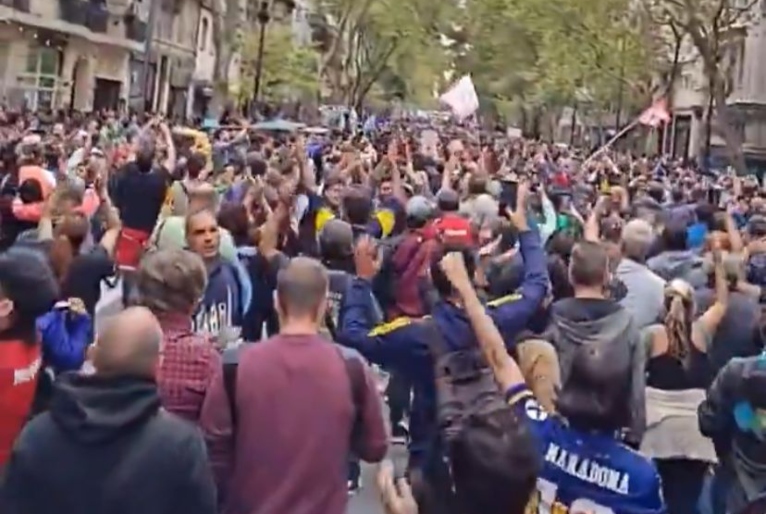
465, 386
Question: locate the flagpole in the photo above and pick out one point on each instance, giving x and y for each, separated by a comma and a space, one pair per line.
627, 128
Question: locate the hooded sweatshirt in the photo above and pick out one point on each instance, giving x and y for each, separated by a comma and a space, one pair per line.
108, 435
223, 304
578, 321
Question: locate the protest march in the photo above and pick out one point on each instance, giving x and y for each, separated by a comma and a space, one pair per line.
399, 312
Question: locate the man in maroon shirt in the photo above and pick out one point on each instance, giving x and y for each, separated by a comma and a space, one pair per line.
302, 405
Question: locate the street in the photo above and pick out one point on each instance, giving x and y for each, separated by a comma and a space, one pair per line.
364, 502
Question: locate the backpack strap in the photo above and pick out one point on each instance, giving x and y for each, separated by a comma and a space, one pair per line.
230, 365
330, 324
436, 343
356, 377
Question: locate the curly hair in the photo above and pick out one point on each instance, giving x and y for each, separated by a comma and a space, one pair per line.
68, 237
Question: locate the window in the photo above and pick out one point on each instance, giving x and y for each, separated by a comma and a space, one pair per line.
40, 79
203, 34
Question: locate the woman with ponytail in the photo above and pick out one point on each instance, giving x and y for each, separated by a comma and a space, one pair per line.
678, 373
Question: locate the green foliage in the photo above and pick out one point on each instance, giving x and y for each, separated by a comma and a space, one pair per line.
288, 70
552, 51
389, 47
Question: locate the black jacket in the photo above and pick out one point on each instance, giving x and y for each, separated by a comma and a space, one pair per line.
106, 446
741, 449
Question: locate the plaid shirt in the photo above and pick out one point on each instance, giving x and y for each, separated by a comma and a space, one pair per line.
189, 362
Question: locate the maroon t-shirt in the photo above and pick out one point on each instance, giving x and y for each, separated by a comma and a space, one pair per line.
294, 419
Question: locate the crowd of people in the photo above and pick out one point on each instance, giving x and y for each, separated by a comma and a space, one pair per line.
545, 331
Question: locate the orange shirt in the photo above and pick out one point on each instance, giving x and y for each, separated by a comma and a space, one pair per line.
20, 365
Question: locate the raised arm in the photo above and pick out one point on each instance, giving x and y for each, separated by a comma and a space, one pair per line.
506, 371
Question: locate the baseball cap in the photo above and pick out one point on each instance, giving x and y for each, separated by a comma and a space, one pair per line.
419, 208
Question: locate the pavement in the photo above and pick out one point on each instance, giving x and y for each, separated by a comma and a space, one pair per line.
366, 501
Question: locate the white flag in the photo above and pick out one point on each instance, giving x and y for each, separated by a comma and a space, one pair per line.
462, 98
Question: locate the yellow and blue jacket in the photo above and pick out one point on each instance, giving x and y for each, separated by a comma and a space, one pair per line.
381, 225
402, 345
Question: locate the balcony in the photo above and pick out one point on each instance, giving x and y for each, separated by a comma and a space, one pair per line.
19, 5
135, 29
74, 11
97, 18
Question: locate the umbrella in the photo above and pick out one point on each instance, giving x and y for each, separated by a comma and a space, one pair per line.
316, 130
278, 126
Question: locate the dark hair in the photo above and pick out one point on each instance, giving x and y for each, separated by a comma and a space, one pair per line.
596, 394
258, 166
674, 237
448, 201
357, 207
495, 464
705, 214
440, 281
195, 165
559, 277
234, 218
589, 264
27, 280
656, 192
561, 243
30, 191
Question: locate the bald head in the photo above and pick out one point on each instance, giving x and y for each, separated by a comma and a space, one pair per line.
129, 345
302, 287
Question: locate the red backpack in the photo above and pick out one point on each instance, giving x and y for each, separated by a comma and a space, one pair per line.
409, 263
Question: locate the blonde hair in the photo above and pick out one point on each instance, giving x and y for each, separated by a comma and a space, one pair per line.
678, 316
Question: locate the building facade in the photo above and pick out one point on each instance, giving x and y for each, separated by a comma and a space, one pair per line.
746, 62
68, 53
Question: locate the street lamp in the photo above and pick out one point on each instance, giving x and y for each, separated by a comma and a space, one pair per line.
263, 16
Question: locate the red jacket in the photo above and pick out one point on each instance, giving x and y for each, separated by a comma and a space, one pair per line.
19, 369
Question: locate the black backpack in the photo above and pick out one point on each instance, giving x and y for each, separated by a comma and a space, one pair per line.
354, 371
465, 386
465, 390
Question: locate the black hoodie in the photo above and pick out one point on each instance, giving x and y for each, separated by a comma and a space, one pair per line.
106, 446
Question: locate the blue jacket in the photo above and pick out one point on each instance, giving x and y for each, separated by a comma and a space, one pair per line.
223, 304
65, 338
402, 344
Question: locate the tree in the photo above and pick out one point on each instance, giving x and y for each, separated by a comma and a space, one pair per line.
364, 41
716, 28
232, 21
539, 54
288, 69
227, 37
